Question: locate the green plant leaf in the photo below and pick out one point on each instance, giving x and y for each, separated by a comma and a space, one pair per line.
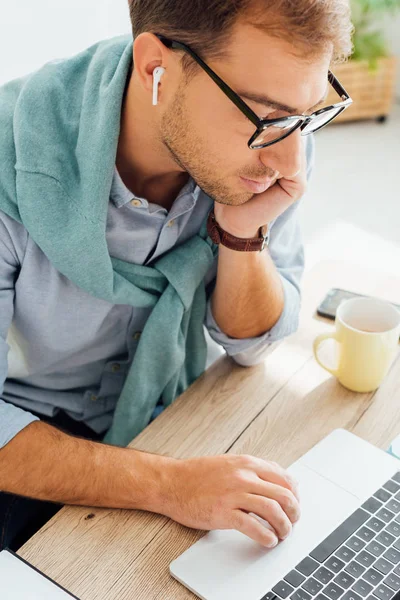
368, 40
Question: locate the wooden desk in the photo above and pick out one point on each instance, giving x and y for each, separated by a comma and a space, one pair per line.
276, 410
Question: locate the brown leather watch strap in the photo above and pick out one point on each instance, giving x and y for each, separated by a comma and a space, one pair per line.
220, 236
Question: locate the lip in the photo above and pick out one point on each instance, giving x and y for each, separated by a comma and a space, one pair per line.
256, 186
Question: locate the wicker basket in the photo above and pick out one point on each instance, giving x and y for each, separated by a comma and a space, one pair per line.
372, 91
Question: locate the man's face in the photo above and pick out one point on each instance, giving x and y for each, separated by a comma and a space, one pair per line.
207, 134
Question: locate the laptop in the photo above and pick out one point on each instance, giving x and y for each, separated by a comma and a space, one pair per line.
346, 545
19, 580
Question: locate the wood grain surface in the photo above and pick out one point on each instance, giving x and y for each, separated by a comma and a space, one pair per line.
276, 410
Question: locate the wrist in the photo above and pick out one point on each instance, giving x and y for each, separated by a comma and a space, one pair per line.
239, 232
149, 481
234, 223
219, 235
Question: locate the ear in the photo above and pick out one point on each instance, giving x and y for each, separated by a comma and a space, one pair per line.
148, 54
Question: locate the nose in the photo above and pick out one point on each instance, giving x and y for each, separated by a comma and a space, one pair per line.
284, 157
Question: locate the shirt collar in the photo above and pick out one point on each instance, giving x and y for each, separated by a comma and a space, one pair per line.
120, 195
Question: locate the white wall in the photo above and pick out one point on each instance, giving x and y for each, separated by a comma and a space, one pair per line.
392, 30
34, 32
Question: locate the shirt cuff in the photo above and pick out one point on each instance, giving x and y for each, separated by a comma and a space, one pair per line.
251, 351
12, 421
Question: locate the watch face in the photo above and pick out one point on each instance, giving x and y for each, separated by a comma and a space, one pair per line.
264, 230
212, 228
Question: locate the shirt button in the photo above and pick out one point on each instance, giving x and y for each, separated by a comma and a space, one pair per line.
171, 223
93, 397
115, 367
136, 336
136, 203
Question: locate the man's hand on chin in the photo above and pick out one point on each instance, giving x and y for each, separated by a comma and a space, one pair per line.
246, 219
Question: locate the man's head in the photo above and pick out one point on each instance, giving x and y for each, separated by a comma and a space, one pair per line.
276, 48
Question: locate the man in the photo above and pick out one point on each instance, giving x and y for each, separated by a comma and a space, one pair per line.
140, 184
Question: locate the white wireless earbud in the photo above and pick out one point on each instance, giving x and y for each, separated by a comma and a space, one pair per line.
157, 74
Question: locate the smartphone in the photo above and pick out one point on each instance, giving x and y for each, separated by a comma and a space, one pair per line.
334, 297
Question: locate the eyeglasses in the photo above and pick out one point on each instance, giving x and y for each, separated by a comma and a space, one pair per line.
270, 131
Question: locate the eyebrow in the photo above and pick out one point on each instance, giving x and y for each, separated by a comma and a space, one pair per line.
266, 101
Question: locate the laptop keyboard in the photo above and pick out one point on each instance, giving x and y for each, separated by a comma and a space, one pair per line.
358, 560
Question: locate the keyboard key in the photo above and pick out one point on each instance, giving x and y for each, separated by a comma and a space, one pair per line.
396, 570
375, 548
396, 477
397, 544
393, 505
307, 566
391, 486
323, 575
350, 595
321, 597
385, 515
376, 524
373, 576
393, 555
363, 588
365, 558
382, 495
355, 543
300, 594
334, 564
312, 586
385, 538
333, 591
344, 580
294, 578
340, 535
393, 528
269, 596
282, 589
372, 505
383, 565
383, 592
393, 582
345, 554
366, 534
354, 568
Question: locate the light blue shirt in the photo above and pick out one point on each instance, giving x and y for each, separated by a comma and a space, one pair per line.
61, 348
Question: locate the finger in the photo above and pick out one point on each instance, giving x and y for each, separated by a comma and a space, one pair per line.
272, 202
251, 527
270, 511
271, 472
286, 499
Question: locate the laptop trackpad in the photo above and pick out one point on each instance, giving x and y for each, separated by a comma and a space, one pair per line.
228, 564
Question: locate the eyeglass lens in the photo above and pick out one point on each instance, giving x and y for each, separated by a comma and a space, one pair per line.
320, 120
277, 131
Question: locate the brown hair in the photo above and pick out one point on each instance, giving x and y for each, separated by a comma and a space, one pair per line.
205, 25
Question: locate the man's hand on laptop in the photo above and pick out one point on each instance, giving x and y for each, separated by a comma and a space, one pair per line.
219, 492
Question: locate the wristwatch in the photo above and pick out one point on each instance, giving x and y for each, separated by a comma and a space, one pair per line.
220, 236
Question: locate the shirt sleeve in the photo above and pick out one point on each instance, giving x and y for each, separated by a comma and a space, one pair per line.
12, 418
287, 252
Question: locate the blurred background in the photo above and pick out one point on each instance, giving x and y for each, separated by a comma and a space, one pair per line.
352, 207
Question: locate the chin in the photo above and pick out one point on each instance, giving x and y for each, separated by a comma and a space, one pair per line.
238, 201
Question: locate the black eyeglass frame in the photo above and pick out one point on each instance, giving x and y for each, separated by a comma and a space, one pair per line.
261, 124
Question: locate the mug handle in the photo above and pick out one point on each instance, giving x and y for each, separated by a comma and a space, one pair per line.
316, 344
